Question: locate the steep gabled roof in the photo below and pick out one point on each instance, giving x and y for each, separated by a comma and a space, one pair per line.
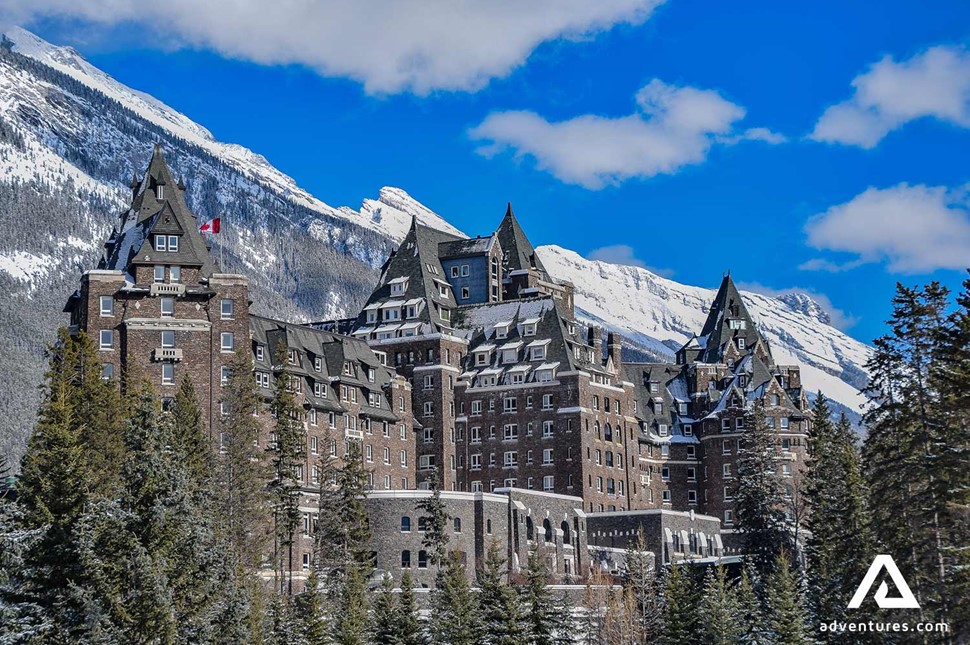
519, 252
728, 309
416, 259
131, 243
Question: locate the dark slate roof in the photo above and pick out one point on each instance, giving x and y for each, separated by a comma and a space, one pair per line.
334, 349
417, 260
671, 391
466, 247
728, 305
519, 252
130, 242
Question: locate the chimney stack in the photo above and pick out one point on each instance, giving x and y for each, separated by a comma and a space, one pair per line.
614, 345
594, 337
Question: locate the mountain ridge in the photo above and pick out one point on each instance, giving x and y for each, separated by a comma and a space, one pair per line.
70, 136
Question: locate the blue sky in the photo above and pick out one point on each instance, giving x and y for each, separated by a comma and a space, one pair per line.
683, 132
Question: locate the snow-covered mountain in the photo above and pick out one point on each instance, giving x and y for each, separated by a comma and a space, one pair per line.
660, 315
71, 137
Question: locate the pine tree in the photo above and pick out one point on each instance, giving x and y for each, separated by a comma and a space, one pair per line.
409, 631
785, 602
501, 618
435, 519
311, 607
189, 435
538, 604
758, 498
641, 580
719, 609
241, 474
352, 490
453, 609
384, 614
681, 626
751, 622
352, 621
285, 453
911, 455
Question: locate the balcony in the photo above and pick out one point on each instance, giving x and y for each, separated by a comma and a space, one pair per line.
167, 354
352, 433
167, 289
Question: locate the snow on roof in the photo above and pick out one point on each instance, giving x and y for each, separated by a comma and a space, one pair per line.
386, 328
548, 366
539, 343
397, 280
372, 306
392, 303
489, 371
413, 301
531, 321
515, 344
487, 347
524, 367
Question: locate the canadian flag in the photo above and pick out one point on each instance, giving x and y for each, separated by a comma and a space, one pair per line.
212, 226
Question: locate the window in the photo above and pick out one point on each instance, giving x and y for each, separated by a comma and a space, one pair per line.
454, 271
786, 444
259, 352
456, 523
161, 243
175, 273
225, 306
168, 374
548, 482
692, 497
405, 559
511, 431
404, 458
740, 343
784, 422
662, 429
727, 494
511, 459
692, 474
168, 339
107, 371
106, 338
107, 305
546, 401
167, 307
725, 446
226, 341
726, 471
786, 470
159, 273
509, 404
465, 293
428, 409
224, 373
547, 428
665, 473
476, 462
665, 497
691, 452
547, 457
428, 381
405, 524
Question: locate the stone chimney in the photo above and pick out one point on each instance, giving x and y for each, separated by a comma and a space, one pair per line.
614, 345
594, 337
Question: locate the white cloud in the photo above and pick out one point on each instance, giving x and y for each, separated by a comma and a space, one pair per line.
935, 84
915, 229
624, 254
673, 127
838, 318
388, 45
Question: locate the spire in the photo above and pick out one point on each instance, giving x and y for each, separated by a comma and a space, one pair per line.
519, 252
728, 321
181, 184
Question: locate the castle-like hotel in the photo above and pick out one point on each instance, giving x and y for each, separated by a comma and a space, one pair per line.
467, 361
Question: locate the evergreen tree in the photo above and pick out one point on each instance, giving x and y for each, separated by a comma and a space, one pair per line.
681, 625
311, 608
785, 602
435, 519
641, 580
751, 622
353, 522
410, 631
912, 455
286, 451
453, 608
758, 498
189, 436
241, 474
501, 618
384, 614
352, 622
719, 609
538, 604
838, 552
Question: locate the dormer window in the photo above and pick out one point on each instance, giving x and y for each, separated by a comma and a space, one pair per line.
168, 243
740, 343
446, 314
392, 313
317, 363
442, 291
539, 353
529, 329
399, 286
736, 324
372, 316
348, 368
292, 357
160, 192
510, 356
481, 358
259, 352
412, 311
502, 331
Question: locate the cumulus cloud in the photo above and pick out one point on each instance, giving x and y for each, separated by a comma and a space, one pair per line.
915, 229
624, 254
673, 126
388, 45
934, 84
795, 297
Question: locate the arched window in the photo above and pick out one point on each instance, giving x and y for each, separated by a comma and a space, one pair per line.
608, 432
488, 526
405, 559
565, 532
529, 529
457, 523
422, 524
406, 524
547, 528
422, 559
